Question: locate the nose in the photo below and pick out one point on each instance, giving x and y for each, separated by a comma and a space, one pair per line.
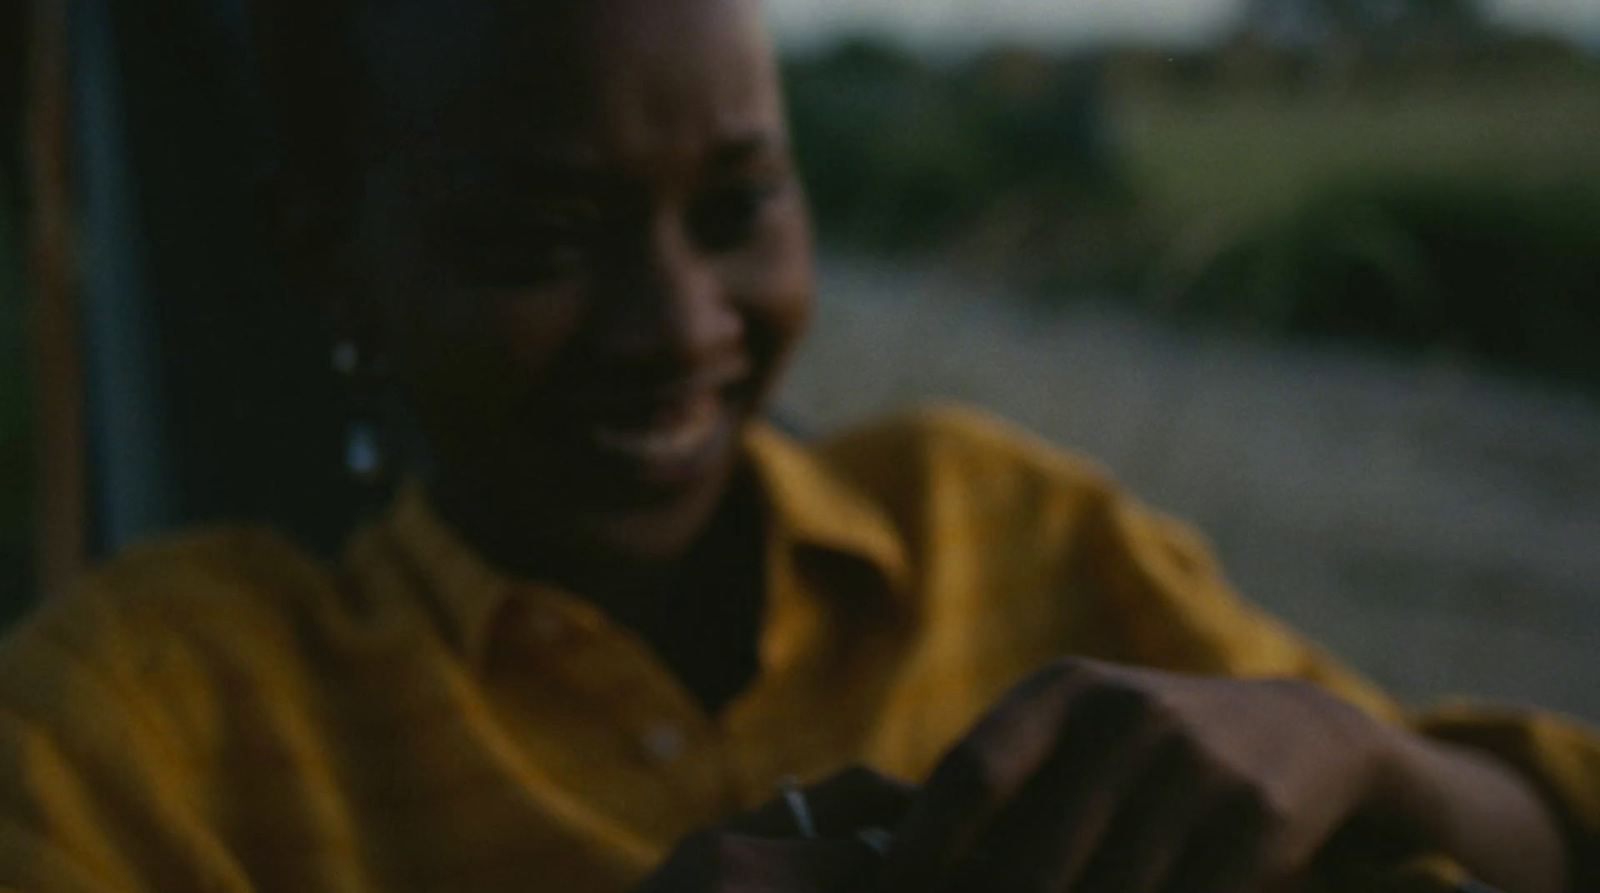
667, 310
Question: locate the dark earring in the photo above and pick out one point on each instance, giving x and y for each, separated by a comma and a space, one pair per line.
366, 455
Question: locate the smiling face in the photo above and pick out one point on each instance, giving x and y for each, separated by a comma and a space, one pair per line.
582, 250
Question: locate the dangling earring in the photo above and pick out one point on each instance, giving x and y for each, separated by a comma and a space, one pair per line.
366, 457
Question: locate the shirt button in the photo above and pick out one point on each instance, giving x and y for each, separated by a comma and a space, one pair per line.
665, 743
546, 628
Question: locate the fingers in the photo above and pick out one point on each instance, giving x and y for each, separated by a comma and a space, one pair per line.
718, 862
980, 776
1151, 828
816, 866
1100, 779
1227, 851
758, 853
1042, 840
856, 799
843, 804
1188, 826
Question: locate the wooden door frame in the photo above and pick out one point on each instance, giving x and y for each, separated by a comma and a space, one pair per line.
61, 478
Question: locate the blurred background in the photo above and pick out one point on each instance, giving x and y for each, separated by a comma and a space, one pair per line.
1321, 275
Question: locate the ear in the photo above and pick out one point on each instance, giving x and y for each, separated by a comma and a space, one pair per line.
310, 72
310, 237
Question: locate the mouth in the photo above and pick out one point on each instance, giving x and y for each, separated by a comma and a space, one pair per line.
671, 437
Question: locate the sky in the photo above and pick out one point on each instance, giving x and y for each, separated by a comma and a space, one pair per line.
1080, 21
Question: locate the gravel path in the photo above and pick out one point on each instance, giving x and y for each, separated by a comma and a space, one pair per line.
1438, 529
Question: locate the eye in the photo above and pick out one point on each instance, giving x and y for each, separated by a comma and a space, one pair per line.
515, 246
729, 215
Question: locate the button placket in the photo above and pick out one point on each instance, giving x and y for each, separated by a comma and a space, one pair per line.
665, 743
546, 627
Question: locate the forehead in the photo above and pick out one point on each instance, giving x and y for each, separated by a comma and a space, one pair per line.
609, 80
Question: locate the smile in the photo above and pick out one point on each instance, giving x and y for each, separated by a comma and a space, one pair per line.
674, 437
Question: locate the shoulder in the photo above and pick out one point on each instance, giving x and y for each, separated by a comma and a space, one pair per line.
180, 582
1002, 486
158, 622
980, 501
1066, 560
961, 432
968, 462
196, 566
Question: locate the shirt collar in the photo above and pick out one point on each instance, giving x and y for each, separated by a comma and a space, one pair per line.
811, 504
464, 586
808, 503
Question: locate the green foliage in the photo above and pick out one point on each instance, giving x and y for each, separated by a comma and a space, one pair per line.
1503, 274
1393, 18
901, 154
1389, 215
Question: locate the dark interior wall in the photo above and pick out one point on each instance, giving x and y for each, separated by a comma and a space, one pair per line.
13, 62
239, 399
16, 460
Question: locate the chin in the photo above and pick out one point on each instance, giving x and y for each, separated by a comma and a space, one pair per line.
656, 511
600, 495
661, 530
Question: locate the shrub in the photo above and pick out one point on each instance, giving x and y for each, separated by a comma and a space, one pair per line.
1504, 274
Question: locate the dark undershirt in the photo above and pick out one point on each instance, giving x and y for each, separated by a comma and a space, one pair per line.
705, 626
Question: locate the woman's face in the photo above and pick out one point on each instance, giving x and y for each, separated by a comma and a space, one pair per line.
585, 255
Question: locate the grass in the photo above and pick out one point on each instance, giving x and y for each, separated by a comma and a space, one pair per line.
1459, 217
1248, 158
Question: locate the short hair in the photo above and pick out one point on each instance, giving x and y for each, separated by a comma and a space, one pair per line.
314, 85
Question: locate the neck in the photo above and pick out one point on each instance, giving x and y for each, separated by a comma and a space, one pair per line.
699, 607
611, 558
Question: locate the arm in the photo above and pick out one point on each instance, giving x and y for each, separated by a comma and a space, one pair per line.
1471, 807
1182, 755
762, 851
1476, 786
1113, 779
93, 795
1204, 767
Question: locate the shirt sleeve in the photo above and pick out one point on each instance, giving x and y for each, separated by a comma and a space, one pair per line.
1177, 612
1560, 756
95, 789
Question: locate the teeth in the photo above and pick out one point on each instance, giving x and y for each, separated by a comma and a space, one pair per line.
665, 444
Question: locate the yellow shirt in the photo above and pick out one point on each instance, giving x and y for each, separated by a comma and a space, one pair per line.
222, 713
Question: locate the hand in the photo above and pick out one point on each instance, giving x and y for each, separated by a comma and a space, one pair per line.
761, 852
1096, 778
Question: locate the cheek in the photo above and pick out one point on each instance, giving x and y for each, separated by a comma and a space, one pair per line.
539, 330
449, 361
782, 309
476, 364
787, 313
466, 358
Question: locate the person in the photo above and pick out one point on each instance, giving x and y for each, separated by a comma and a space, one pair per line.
614, 609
